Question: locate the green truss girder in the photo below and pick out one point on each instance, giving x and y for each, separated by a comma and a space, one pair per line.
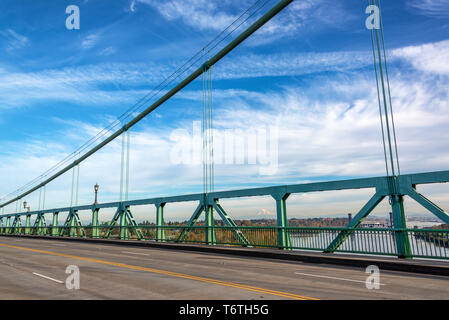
16, 225
230, 223
396, 188
73, 225
429, 205
40, 224
185, 231
361, 215
211, 237
126, 222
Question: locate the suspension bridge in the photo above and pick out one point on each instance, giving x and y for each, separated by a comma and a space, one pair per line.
26, 239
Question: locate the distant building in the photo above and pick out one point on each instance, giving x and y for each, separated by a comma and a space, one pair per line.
374, 224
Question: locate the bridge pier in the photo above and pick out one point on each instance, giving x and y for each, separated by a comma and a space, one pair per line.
95, 223
211, 237
399, 224
282, 220
28, 224
55, 224
40, 224
16, 224
8, 224
160, 223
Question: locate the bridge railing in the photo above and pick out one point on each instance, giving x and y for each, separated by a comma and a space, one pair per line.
424, 243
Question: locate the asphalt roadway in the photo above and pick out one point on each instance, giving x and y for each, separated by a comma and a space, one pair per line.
36, 269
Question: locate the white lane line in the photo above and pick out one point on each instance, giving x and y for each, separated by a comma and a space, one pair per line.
335, 278
141, 254
41, 275
58, 244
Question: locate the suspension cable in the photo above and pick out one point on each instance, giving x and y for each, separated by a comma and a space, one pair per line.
389, 91
378, 98
379, 67
127, 164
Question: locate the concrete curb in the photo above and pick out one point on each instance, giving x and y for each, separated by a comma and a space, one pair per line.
440, 268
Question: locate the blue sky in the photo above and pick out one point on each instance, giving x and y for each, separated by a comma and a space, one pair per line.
309, 72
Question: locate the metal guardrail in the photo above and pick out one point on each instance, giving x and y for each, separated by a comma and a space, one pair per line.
424, 243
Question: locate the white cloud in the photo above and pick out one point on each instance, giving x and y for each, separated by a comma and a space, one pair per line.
15, 41
216, 16
202, 14
434, 8
132, 6
430, 58
90, 41
107, 51
82, 84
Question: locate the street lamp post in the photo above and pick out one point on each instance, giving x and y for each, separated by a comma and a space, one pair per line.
96, 187
25, 206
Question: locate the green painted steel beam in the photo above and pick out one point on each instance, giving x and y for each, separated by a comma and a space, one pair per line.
131, 222
211, 236
73, 225
193, 219
160, 231
28, 224
55, 224
429, 205
230, 223
361, 215
381, 183
284, 241
126, 221
95, 224
401, 237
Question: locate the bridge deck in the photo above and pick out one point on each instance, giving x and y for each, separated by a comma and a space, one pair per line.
119, 272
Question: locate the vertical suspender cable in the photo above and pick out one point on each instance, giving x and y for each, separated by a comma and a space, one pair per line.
127, 164
387, 120
207, 132
388, 110
77, 184
73, 185
211, 132
122, 167
378, 98
43, 201
40, 198
203, 135
389, 91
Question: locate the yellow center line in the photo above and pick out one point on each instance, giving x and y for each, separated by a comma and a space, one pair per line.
169, 273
